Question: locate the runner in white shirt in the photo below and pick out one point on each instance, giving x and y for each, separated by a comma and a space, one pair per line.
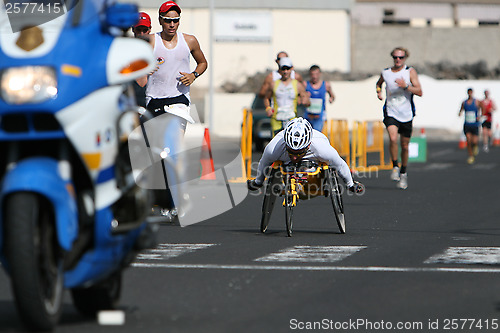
401, 83
170, 83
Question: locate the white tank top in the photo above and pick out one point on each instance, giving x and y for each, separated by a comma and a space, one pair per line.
399, 101
164, 82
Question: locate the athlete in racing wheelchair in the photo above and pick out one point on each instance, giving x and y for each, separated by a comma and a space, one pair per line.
303, 157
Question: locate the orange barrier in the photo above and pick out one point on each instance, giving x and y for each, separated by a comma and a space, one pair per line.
367, 137
246, 143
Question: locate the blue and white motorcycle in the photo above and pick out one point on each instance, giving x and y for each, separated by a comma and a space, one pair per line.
72, 217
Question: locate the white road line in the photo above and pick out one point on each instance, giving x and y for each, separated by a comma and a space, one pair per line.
323, 268
303, 253
484, 166
467, 255
438, 166
167, 251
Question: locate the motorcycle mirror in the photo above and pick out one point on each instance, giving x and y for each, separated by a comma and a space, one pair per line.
122, 15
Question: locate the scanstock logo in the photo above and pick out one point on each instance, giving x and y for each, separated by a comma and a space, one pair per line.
162, 156
23, 14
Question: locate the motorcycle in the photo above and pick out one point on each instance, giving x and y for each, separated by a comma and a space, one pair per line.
72, 215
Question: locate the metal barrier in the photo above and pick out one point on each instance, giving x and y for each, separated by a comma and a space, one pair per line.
367, 137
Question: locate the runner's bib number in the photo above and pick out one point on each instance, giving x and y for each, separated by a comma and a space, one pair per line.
396, 100
285, 113
316, 106
470, 117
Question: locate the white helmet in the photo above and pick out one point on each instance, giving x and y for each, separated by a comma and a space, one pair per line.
298, 133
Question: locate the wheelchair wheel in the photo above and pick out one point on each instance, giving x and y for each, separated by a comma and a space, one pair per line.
288, 208
336, 198
270, 195
288, 214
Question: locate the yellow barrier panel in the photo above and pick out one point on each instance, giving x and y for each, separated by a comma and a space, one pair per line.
246, 147
368, 137
339, 138
358, 147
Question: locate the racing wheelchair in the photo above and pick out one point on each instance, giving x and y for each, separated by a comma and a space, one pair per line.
301, 181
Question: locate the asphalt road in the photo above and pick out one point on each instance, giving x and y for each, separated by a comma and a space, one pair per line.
422, 259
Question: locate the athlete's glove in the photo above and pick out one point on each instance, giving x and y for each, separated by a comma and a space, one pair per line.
357, 188
253, 185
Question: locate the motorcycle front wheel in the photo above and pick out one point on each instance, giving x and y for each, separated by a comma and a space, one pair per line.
35, 260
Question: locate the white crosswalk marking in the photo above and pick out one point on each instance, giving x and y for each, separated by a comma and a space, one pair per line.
467, 255
167, 251
312, 254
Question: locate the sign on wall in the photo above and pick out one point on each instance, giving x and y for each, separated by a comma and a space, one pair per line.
243, 26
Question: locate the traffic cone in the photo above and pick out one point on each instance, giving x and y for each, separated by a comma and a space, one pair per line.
422, 133
463, 141
496, 137
206, 160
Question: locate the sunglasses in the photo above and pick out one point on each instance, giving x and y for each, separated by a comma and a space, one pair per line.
298, 153
396, 57
285, 68
141, 29
169, 20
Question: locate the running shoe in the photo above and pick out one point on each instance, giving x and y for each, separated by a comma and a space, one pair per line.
476, 150
471, 160
395, 174
486, 148
403, 181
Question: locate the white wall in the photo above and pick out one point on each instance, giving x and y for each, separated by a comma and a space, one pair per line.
437, 108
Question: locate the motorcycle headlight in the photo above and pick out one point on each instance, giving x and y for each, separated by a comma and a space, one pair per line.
30, 84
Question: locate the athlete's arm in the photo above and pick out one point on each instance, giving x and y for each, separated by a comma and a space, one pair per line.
268, 82
329, 91
325, 152
201, 62
379, 87
269, 156
266, 99
303, 95
480, 110
299, 78
414, 87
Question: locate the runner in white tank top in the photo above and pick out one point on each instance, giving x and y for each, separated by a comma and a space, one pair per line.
168, 95
169, 83
401, 84
164, 82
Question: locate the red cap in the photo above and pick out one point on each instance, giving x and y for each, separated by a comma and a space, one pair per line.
168, 6
144, 20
